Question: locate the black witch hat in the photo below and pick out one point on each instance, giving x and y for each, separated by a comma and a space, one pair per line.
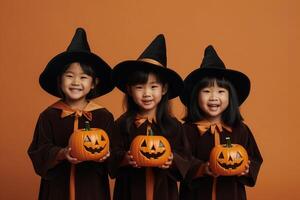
77, 51
213, 66
152, 59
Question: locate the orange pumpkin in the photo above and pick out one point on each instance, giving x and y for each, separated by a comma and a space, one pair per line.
150, 150
89, 143
228, 159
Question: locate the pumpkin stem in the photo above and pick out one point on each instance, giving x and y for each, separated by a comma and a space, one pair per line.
87, 126
149, 131
228, 144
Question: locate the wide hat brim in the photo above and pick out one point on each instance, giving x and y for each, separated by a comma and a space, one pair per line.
240, 82
122, 71
48, 78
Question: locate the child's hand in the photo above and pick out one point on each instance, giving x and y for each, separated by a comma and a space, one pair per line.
246, 169
130, 161
68, 156
208, 171
167, 164
104, 157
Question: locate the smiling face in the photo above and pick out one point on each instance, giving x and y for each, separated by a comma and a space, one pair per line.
148, 95
75, 84
213, 101
150, 151
90, 144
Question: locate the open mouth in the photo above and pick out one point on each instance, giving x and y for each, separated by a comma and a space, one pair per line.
228, 166
94, 150
153, 155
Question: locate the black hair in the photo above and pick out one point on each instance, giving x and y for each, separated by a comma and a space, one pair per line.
231, 115
87, 69
163, 116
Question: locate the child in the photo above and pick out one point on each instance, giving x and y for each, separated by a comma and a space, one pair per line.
213, 95
76, 76
148, 85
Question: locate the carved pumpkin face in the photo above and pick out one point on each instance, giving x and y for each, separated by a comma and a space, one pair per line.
229, 159
90, 144
150, 151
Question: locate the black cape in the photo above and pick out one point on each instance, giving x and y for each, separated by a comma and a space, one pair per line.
130, 182
227, 187
51, 134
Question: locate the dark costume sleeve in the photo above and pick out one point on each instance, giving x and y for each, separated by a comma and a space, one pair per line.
118, 148
42, 151
181, 153
227, 187
130, 182
255, 158
194, 163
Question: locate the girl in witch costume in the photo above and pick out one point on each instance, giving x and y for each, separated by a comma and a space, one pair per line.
148, 85
213, 95
76, 76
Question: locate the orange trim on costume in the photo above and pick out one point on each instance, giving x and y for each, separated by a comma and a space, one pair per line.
139, 120
66, 111
149, 183
150, 177
216, 129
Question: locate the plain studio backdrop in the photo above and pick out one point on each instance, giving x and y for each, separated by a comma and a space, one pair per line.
259, 38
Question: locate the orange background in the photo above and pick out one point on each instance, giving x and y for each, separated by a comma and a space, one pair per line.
259, 38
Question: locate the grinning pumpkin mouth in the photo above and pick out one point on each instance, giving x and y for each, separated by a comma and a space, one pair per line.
153, 155
94, 150
228, 166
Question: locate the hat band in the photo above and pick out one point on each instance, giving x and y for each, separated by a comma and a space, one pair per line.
151, 61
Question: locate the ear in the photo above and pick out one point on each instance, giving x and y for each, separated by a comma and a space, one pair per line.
95, 83
165, 89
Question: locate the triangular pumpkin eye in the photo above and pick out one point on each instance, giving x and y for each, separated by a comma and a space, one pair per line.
238, 155
144, 144
102, 138
221, 156
161, 144
87, 139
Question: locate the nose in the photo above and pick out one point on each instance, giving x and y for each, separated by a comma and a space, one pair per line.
213, 96
146, 93
76, 81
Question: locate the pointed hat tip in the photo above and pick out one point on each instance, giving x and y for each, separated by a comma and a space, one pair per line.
160, 37
80, 30
210, 49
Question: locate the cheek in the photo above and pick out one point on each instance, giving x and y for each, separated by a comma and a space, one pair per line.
202, 101
136, 95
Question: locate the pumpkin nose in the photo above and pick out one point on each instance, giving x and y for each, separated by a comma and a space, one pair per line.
153, 148
96, 142
230, 159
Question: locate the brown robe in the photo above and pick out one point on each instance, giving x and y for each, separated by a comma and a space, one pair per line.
130, 182
227, 187
51, 134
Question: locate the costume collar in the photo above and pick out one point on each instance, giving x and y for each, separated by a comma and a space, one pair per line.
139, 120
67, 110
205, 125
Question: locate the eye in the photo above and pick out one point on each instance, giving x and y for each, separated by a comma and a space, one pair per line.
222, 91
102, 138
144, 144
238, 155
221, 156
161, 144
154, 86
68, 75
138, 87
87, 139
205, 90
